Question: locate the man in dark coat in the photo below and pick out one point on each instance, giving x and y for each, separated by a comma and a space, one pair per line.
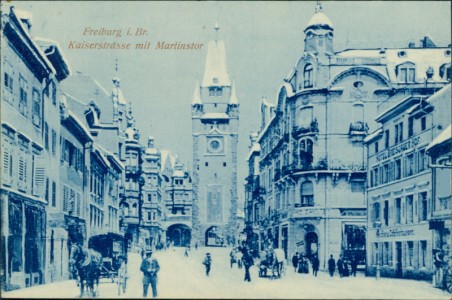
340, 266
295, 261
315, 265
149, 267
247, 262
331, 265
354, 265
207, 262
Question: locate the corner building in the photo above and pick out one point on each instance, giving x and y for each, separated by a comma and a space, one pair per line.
312, 159
215, 121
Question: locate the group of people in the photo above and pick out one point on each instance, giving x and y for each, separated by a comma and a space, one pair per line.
300, 262
345, 267
342, 266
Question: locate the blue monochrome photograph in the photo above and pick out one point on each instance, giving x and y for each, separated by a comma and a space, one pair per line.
226, 149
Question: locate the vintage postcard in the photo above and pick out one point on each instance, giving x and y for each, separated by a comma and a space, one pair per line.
226, 150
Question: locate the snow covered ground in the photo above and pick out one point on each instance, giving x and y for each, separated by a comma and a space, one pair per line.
182, 277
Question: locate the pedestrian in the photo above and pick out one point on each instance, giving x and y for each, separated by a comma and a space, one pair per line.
122, 275
331, 265
345, 270
150, 267
247, 262
239, 259
143, 253
232, 256
340, 266
315, 265
295, 261
207, 262
196, 246
354, 265
186, 252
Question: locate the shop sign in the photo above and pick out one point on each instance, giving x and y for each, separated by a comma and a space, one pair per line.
408, 144
381, 233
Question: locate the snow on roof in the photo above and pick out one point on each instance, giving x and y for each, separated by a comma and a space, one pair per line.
117, 93
233, 99
215, 72
359, 53
289, 89
24, 15
98, 149
178, 173
446, 89
373, 135
152, 151
48, 42
196, 95
215, 116
319, 18
441, 138
255, 148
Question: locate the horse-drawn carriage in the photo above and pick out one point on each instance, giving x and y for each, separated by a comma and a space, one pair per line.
113, 249
272, 264
102, 259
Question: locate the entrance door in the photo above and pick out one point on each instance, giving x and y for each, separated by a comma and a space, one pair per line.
285, 240
398, 273
312, 241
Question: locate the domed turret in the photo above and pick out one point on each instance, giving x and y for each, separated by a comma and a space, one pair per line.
319, 33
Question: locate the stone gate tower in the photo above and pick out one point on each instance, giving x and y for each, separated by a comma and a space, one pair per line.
215, 122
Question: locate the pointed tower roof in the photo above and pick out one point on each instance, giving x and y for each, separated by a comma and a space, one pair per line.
233, 99
319, 19
196, 95
117, 93
215, 71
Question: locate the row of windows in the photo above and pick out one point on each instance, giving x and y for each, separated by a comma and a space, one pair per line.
71, 154
399, 132
405, 210
28, 168
404, 166
406, 72
96, 217
410, 254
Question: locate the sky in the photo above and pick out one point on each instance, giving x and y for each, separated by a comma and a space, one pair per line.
263, 42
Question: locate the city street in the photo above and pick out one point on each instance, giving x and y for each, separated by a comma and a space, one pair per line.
182, 277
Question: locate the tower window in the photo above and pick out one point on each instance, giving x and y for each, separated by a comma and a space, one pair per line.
308, 76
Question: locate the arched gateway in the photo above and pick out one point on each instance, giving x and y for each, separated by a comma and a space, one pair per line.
179, 235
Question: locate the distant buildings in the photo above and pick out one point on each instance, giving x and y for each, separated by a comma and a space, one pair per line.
306, 190
215, 121
72, 164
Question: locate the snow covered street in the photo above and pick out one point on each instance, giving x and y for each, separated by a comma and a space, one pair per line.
182, 277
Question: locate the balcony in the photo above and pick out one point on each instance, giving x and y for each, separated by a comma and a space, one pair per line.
358, 128
301, 130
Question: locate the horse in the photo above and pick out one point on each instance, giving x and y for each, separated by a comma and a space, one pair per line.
87, 263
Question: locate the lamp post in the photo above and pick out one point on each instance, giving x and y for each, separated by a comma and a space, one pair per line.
377, 225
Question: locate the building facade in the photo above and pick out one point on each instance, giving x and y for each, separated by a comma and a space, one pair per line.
312, 159
178, 200
400, 201
29, 83
215, 120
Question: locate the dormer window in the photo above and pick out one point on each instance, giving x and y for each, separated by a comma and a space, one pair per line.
444, 72
406, 72
308, 76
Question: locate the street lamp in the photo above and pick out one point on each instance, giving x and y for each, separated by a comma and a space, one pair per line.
377, 225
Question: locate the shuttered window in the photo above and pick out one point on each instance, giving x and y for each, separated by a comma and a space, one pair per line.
7, 162
39, 176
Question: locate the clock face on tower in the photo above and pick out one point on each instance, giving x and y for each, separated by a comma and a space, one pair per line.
215, 145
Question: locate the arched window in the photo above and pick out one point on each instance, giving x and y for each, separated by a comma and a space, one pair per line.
134, 210
308, 76
306, 153
307, 194
406, 72
444, 72
125, 209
